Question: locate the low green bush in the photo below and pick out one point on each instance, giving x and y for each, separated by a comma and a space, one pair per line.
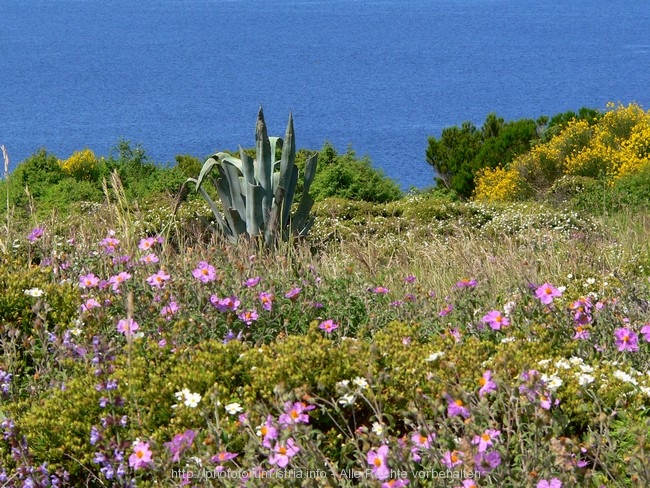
346, 176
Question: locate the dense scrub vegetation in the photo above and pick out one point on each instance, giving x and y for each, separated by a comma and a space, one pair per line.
423, 339
462, 152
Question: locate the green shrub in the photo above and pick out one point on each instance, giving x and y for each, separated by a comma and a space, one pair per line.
38, 173
626, 193
189, 166
345, 176
66, 192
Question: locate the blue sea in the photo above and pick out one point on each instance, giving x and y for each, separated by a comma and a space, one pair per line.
379, 76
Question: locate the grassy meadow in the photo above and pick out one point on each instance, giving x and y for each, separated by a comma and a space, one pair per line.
423, 340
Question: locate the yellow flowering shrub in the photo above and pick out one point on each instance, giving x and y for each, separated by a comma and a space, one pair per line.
617, 145
498, 185
82, 165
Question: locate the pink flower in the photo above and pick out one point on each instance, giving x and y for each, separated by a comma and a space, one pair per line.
645, 330
582, 311
380, 290
293, 293
487, 385
204, 272
230, 303
469, 484
546, 293
267, 300
90, 304
35, 234
179, 444
158, 280
147, 243
328, 325
169, 310
495, 320
222, 457
267, 432
251, 282
377, 461
456, 407
485, 462
248, 316
118, 279
141, 457
466, 283
127, 326
283, 452
149, 259
581, 333
626, 339
485, 439
421, 441
553, 483
451, 459
410, 279
396, 483
295, 413
88, 281
110, 243
448, 308
545, 401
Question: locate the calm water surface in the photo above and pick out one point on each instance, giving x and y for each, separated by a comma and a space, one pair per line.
188, 76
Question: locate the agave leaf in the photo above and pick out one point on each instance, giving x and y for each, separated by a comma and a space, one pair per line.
298, 223
228, 158
239, 223
231, 174
310, 172
254, 210
247, 168
225, 229
288, 199
232, 216
264, 156
306, 228
288, 157
209, 164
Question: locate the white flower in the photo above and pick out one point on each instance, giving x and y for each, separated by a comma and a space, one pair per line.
591, 281
34, 292
585, 379
585, 368
509, 307
343, 384
562, 364
575, 360
182, 394
553, 382
76, 331
192, 400
233, 408
508, 339
378, 428
434, 355
346, 400
543, 362
360, 382
645, 390
188, 398
623, 376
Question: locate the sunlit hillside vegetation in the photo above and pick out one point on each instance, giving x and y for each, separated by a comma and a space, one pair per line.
423, 339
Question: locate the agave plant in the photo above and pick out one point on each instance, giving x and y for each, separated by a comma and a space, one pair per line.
257, 194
